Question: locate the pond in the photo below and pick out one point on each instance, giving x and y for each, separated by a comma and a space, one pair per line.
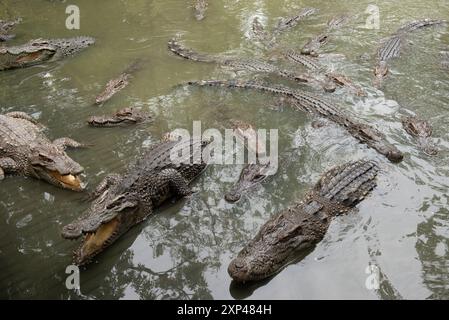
183, 250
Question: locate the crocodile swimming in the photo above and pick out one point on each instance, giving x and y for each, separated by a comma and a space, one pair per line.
314, 44
284, 24
334, 78
316, 105
252, 65
6, 27
422, 130
200, 7
122, 201
125, 116
26, 151
119, 83
297, 229
391, 47
252, 173
41, 51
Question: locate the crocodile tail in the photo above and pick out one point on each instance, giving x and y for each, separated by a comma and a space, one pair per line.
187, 53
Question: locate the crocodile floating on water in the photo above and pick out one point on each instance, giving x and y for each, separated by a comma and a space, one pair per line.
119, 83
6, 27
300, 227
122, 201
125, 116
315, 43
41, 51
282, 25
200, 7
252, 173
333, 78
26, 151
422, 130
391, 48
313, 104
252, 65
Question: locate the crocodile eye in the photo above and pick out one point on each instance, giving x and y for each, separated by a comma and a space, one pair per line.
45, 158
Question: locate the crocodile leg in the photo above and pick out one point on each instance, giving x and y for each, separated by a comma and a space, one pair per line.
7, 165
176, 181
64, 143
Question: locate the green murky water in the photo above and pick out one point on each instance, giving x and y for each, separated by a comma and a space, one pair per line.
183, 250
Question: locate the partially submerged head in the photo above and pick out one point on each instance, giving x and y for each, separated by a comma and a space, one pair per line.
251, 175
108, 217
53, 165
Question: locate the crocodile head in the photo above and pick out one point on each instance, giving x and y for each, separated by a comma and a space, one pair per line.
380, 72
422, 130
251, 175
123, 116
109, 216
53, 165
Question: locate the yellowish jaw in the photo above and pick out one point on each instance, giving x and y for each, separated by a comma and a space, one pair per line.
70, 181
94, 242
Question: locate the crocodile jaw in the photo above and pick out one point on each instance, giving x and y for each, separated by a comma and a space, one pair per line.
69, 181
95, 242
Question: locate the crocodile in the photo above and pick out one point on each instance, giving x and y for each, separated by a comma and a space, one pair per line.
252, 65
422, 130
258, 30
314, 44
41, 51
252, 173
200, 8
26, 151
296, 230
5, 28
284, 24
123, 116
123, 201
119, 83
316, 105
332, 77
391, 48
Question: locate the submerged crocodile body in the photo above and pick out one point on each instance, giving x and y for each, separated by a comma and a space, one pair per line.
122, 201
314, 44
122, 117
391, 48
41, 51
26, 151
200, 7
316, 105
422, 130
285, 24
253, 173
116, 85
252, 65
6, 27
298, 228
333, 78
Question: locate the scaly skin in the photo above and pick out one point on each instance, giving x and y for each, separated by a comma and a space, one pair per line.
124, 116
118, 84
291, 22
334, 78
291, 232
26, 151
5, 28
41, 51
200, 8
391, 48
313, 104
252, 65
252, 173
314, 44
123, 201
422, 130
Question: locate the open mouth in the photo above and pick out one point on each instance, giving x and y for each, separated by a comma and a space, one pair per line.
69, 181
95, 242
